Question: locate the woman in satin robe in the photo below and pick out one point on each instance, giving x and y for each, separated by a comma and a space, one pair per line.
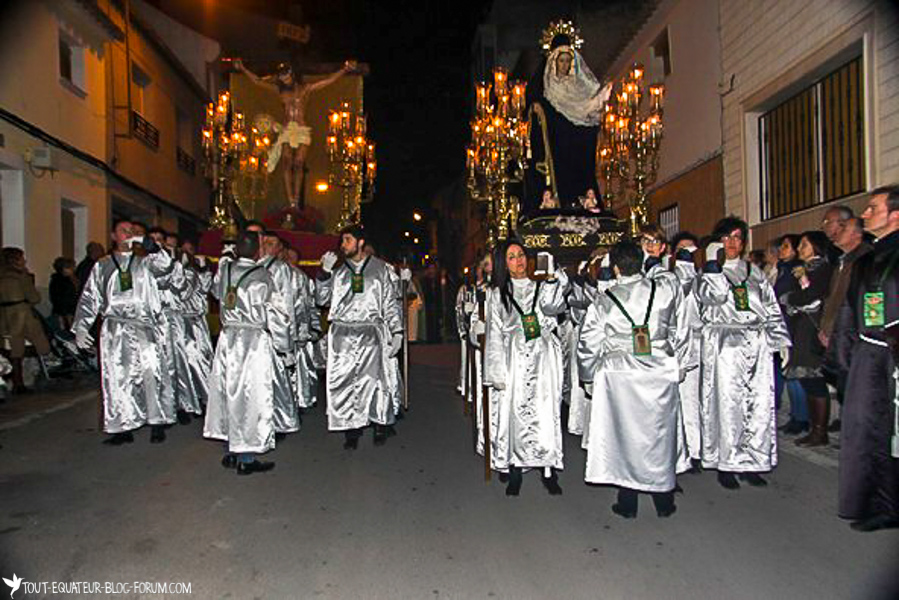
122, 291
742, 329
632, 353
241, 406
364, 337
524, 368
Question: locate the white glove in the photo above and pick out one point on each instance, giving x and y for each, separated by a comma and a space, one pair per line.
83, 340
329, 259
691, 248
588, 389
138, 239
201, 260
479, 328
499, 386
784, 357
605, 262
581, 266
289, 359
405, 274
711, 251
396, 344
185, 259
229, 249
469, 307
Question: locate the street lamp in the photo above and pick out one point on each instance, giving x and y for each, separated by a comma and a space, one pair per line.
416, 215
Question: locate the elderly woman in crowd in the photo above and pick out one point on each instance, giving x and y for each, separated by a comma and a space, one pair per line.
18, 322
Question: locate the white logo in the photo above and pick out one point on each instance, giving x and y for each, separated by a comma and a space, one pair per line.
14, 583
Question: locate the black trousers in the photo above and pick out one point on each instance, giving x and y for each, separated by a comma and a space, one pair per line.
627, 499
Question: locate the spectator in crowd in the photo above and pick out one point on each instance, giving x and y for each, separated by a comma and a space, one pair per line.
832, 223
64, 292
549, 202
805, 306
93, 253
18, 321
850, 240
783, 284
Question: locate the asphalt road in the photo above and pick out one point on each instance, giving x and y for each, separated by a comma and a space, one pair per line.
412, 519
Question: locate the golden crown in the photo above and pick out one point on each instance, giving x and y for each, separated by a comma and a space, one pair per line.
561, 28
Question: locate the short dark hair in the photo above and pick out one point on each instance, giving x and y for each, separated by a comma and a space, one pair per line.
140, 224
11, 254
627, 256
354, 230
247, 245
61, 263
728, 224
684, 235
789, 237
253, 222
655, 232
116, 223
157, 229
818, 240
892, 194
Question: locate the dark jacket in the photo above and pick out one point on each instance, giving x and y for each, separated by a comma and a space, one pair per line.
805, 307
63, 294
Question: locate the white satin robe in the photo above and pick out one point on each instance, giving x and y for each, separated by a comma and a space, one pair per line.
170, 337
132, 371
361, 376
196, 351
241, 386
476, 395
307, 328
738, 416
580, 297
632, 440
287, 410
526, 377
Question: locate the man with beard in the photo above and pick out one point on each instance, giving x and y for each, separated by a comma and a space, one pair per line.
366, 332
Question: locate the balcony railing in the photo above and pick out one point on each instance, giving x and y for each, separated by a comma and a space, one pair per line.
185, 162
144, 130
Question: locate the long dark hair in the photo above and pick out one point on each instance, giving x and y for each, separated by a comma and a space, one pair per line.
501, 277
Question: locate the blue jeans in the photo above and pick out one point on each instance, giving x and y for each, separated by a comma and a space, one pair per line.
798, 403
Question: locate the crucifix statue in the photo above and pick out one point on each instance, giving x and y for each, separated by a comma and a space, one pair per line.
295, 137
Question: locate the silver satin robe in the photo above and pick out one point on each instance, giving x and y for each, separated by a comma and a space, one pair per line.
306, 316
690, 392
287, 410
476, 395
131, 363
738, 416
580, 297
241, 386
170, 337
361, 376
197, 351
526, 377
633, 423
463, 317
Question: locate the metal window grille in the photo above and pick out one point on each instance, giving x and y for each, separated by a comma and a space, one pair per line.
144, 130
185, 161
669, 221
811, 146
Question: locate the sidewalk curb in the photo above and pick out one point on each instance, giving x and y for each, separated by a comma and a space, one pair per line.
88, 395
809, 455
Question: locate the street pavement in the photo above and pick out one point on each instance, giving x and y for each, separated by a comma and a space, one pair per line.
412, 519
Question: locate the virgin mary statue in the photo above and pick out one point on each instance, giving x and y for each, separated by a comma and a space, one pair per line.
566, 107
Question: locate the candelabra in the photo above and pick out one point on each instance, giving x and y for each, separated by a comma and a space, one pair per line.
629, 140
499, 144
352, 161
229, 153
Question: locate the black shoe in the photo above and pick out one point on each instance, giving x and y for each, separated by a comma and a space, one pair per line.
753, 479
504, 478
21, 389
183, 417
621, 512
280, 436
876, 523
157, 434
514, 486
229, 461
666, 512
117, 439
351, 443
794, 427
834, 427
728, 481
391, 430
695, 466
551, 484
257, 466
380, 435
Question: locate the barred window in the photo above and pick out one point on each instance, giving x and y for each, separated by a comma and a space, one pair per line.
669, 221
811, 146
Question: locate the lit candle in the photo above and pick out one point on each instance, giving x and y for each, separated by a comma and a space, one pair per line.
500, 78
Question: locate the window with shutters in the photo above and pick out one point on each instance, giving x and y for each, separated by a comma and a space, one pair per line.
812, 146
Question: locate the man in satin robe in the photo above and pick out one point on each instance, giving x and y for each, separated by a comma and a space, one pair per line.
631, 356
365, 334
122, 291
241, 406
197, 352
307, 328
287, 411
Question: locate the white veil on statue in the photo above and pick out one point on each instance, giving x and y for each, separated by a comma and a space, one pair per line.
577, 95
